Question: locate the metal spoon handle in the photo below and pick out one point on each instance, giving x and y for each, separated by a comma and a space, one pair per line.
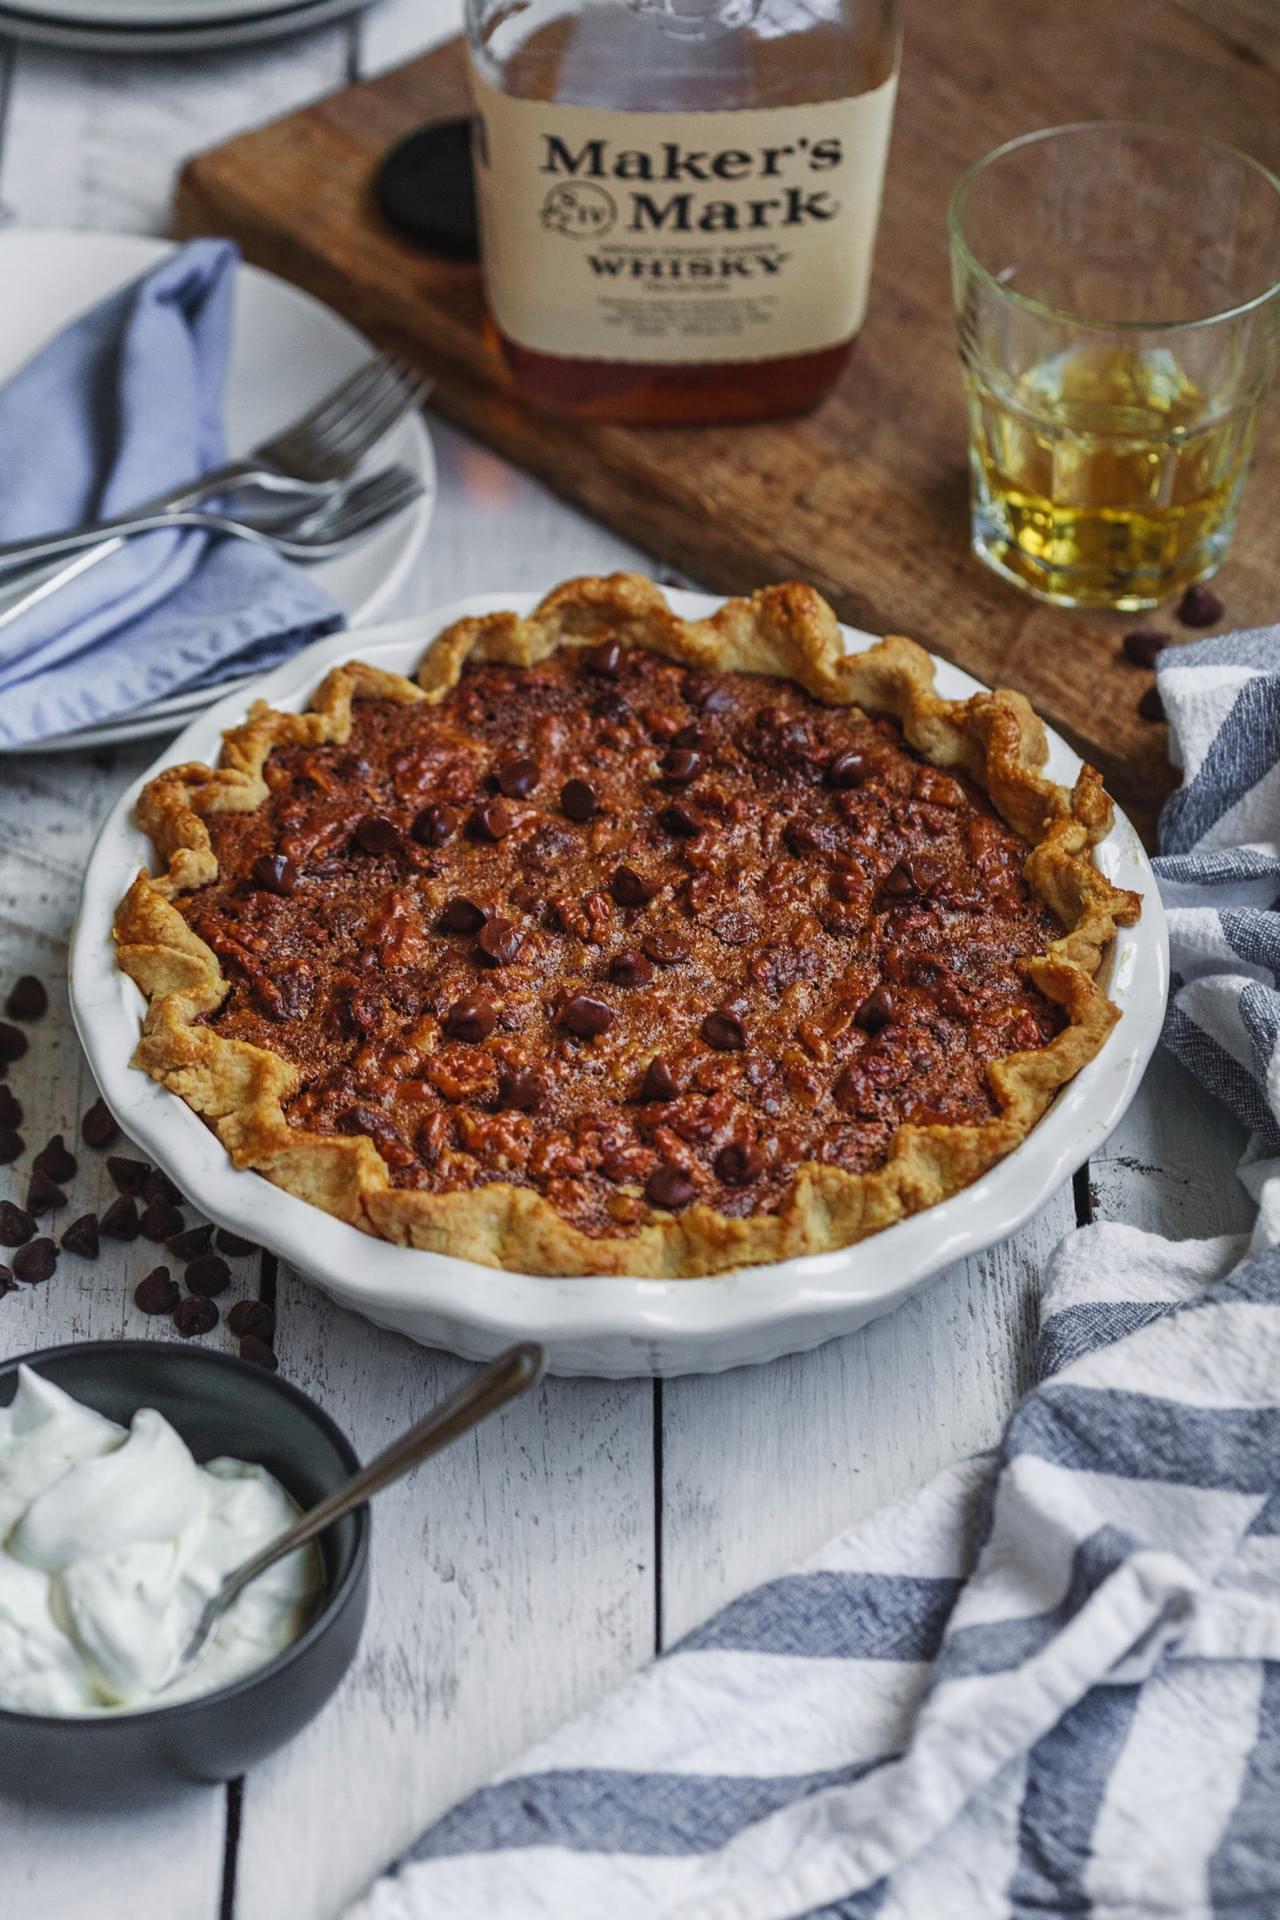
512, 1373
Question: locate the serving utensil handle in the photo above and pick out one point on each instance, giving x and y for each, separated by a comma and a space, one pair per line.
511, 1374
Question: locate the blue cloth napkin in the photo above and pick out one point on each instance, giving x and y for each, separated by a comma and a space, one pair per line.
1049, 1683
124, 403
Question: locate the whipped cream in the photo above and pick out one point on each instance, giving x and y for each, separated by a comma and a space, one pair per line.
111, 1541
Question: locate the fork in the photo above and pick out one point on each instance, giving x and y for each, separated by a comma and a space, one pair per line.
326, 527
311, 456
320, 449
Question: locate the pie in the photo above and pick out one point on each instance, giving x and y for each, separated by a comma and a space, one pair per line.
620, 943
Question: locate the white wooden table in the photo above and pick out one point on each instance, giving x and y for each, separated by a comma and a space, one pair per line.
523, 1573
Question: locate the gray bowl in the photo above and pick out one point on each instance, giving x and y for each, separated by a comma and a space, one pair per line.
219, 1405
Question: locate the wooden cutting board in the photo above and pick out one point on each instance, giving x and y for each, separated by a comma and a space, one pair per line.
866, 497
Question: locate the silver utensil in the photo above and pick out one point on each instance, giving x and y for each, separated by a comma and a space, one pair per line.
317, 532
322, 448
307, 460
511, 1374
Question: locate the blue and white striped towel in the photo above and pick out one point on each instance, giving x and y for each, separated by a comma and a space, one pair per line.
1049, 1684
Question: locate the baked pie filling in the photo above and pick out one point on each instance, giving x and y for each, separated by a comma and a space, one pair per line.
649, 939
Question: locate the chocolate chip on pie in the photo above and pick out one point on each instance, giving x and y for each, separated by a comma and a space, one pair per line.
659, 932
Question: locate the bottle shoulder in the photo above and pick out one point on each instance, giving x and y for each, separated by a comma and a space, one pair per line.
626, 54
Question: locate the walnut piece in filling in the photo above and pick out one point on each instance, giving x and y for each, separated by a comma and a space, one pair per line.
626, 933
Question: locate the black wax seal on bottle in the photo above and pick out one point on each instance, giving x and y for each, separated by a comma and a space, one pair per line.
425, 190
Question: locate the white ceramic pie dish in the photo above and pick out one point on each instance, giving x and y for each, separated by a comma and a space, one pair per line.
615, 1327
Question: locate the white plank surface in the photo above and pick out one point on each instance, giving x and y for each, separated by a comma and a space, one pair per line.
52, 1868
513, 1580
521, 1574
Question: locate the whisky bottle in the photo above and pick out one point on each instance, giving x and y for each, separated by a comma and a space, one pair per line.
678, 198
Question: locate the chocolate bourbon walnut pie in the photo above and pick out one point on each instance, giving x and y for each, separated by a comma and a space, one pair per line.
620, 943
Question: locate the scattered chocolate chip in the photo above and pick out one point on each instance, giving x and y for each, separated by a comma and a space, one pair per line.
232, 1245
606, 660
82, 1237
875, 1011
520, 1089
43, 1194
680, 821
56, 1160
259, 1352
130, 1176
192, 1243
7, 1282
16, 1225
471, 1018
630, 970
194, 1316
586, 1017
377, 834
495, 821
666, 948
11, 1145
680, 766
498, 942
850, 769
252, 1316
462, 915
27, 999
35, 1262
120, 1221
1142, 646
98, 1128
578, 799
659, 1081
160, 1221
669, 1187
739, 1166
1151, 706
517, 778
275, 873
631, 889
158, 1186
10, 1107
724, 1031
898, 884
207, 1276
158, 1292
13, 1042
692, 736
1200, 606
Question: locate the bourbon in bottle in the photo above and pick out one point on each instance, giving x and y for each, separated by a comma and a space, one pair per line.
678, 198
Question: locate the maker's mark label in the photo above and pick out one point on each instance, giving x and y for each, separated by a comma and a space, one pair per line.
670, 237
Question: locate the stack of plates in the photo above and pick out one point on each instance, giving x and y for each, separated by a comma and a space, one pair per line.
164, 26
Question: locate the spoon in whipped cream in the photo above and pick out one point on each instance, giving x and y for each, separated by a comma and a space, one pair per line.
511, 1374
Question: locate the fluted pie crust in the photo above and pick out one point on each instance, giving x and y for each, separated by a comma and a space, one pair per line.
786, 631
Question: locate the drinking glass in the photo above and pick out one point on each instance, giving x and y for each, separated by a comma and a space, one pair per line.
1117, 293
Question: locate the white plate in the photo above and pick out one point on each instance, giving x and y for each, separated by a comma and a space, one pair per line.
89, 28
596, 1326
288, 351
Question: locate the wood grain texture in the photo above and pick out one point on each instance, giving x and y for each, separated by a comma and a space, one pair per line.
1253, 26
512, 1583
1170, 1166
54, 1866
93, 140
865, 497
